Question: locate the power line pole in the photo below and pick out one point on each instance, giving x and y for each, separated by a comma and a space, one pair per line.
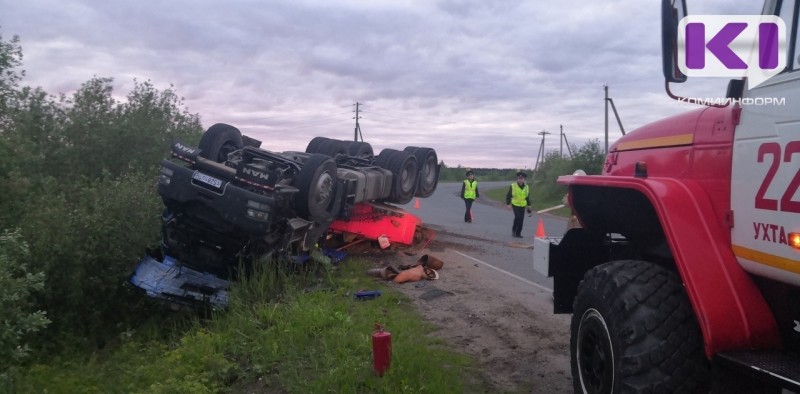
561, 141
568, 148
541, 149
357, 131
616, 115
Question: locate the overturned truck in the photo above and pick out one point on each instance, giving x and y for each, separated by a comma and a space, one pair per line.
231, 204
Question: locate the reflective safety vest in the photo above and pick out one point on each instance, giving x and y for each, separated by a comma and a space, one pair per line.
519, 195
469, 190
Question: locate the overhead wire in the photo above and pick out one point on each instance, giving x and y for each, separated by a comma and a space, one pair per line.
308, 126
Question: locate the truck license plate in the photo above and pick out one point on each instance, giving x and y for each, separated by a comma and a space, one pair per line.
208, 180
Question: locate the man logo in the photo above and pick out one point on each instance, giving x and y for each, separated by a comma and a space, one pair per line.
184, 148
255, 173
732, 46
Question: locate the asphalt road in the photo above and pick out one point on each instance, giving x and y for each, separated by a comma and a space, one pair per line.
487, 240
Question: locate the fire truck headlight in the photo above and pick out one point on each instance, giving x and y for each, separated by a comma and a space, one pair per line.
794, 240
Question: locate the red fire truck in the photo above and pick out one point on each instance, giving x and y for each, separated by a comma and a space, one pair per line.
685, 273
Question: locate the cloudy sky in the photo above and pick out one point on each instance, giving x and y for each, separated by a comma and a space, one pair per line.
475, 79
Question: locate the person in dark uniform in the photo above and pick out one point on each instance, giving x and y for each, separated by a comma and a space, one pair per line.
518, 198
469, 193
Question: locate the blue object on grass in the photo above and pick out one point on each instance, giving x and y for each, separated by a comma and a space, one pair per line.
362, 295
300, 259
335, 255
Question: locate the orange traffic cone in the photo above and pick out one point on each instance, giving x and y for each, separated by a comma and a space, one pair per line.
416, 204
540, 230
470, 215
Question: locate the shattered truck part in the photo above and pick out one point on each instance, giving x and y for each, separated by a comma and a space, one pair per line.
372, 220
177, 283
229, 203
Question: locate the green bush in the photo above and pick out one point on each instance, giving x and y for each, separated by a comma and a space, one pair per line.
87, 238
588, 158
78, 175
18, 317
458, 174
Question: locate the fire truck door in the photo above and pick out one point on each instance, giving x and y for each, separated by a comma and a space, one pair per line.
765, 195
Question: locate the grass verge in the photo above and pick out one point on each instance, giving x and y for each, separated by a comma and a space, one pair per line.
296, 333
499, 194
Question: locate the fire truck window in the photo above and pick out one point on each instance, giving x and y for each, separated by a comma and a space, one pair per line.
788, 12
795, 43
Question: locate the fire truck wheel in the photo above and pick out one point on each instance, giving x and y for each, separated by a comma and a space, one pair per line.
359, 149
317, 184
428, 166
633, 330
403, 166
219, 140
315, 143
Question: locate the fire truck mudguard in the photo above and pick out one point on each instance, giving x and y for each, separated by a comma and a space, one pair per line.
731, 311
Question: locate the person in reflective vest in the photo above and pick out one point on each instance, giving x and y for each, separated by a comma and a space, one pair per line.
469, 193
518, 199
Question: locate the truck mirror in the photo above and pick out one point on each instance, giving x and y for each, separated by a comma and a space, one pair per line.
672, 11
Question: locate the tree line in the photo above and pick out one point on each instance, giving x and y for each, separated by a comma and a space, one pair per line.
78, 206
588, 158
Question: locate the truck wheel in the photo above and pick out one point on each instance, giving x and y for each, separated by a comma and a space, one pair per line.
317, 183
633, 330
332, 148
315, 143
403, 166
428, 165
219, 140
359, 149
382, 160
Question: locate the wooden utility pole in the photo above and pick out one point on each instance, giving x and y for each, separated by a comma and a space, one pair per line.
608, 100
357, 131
564, 141
569, 150
541, 149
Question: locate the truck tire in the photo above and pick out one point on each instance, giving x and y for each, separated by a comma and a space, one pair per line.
359, 149
317, 183
403, 166
633, 330
428, 165
315, 143
219, 140
332, 148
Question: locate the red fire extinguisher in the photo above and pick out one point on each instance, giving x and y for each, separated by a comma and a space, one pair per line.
381, 350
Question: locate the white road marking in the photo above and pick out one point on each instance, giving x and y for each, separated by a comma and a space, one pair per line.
503, 271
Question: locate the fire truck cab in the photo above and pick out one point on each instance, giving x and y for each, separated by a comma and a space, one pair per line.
685, 273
